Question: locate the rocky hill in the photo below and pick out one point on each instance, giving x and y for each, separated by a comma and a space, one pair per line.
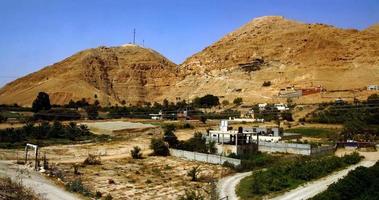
272, 49
286, 53
110, 75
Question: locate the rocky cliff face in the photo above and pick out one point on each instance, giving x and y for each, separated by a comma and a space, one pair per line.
286, 53
111, 75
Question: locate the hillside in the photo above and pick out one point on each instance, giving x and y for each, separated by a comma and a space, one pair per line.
111, 75
286, 53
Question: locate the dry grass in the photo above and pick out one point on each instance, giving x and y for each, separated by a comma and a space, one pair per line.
150, 178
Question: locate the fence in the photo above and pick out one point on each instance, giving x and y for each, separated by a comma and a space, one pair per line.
294, 148
202, 157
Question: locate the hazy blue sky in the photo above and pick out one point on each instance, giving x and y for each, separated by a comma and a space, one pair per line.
36, 33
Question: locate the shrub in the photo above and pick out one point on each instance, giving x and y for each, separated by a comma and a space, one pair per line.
194, 173
266, 83
159, 147
136, 153
192, 195
59, 114
108, 197
203, 119
92, 160
3, 118
225, 103
237, 101
78, 187
169, 135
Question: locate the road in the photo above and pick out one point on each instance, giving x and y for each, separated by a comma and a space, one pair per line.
33, 180
227, 185
311, 189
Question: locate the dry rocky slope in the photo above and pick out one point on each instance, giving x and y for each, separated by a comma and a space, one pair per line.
276, 49
114, 74
286, 53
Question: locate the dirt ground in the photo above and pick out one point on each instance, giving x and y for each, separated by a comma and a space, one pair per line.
148, 178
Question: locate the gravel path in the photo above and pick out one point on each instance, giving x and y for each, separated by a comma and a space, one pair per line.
226, 187
311, 189
39, 184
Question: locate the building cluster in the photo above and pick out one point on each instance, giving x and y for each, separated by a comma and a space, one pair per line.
243, 140
293, 92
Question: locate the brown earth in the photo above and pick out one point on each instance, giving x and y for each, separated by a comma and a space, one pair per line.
285, 52
288, 53
113, 74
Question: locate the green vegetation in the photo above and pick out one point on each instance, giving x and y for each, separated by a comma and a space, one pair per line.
194, 173
42, 102
367, 112
10, 190
255, 161
159, 147
266, 83
237, 101
78, 187
360, 184
206, 101
225, 103
57, 114
136, 152
192, 195
3, 118
45, 133
314, 132
290, 174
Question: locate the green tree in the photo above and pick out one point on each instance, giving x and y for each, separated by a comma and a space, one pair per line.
238, 101
42, 102
159, 147
225, 102
169, 135
92, 112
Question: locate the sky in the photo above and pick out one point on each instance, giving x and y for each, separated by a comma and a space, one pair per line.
37, 33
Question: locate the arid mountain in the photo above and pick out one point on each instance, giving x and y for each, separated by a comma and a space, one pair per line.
286, 53
111, 75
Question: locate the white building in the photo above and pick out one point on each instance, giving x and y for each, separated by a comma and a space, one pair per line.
373, 87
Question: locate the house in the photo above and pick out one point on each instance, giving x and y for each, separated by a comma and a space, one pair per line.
158, 116
373, 87
281, 107
262, 106
243, 140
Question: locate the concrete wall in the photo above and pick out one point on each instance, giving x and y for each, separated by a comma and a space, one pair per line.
293, 148
302, 149
202, 157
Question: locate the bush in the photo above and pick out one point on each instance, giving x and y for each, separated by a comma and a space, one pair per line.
78, 187
159, 147
291, 174
136, 153
108, 197
92, 160
361, 183
58, 114
3, 118
192, 195
169, 135
194, 173
266, 84
10, 190
237, 101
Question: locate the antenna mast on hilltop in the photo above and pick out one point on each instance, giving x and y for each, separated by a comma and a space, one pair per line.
134, 36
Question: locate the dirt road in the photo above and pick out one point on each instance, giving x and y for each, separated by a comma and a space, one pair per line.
39, 184
313, 188
226, 187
